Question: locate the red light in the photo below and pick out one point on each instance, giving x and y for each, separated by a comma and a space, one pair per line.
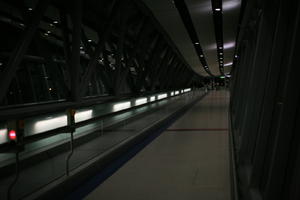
12, 135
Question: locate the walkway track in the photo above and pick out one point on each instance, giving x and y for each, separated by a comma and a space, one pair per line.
190, 160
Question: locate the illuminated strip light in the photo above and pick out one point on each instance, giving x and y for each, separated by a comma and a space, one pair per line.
121, 106
3, 135
172, 93
187, 89
83, 115
161, 96
49, 124
176, 92
140, 101
152, 98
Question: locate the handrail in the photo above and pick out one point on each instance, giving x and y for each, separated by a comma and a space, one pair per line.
6, 147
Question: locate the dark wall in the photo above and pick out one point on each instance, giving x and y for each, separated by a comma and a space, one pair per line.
265, 101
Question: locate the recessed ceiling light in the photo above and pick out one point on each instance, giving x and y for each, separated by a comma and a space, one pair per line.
201, 56
55, 22
236, 56
221, 53
89, 40
217, 9
197, 43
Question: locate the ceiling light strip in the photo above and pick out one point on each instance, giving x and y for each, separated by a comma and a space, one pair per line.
188, 23
218, 24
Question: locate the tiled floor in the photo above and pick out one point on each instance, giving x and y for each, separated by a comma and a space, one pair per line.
190, 160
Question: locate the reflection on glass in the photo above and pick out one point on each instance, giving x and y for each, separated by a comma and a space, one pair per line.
50, 123
140, 101
83, 115
3, 135
228, 64
121, 106
161, 96
229, 45
152, 98
231, 4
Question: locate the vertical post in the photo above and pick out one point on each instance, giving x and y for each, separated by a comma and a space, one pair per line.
71, 124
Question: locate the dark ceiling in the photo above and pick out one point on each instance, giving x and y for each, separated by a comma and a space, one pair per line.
202, 16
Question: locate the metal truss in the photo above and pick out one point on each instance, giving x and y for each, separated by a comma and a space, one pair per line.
128, 49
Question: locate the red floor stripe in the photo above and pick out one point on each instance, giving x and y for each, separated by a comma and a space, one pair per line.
198, 129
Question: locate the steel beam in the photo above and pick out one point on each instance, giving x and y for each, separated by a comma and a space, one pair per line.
17, 55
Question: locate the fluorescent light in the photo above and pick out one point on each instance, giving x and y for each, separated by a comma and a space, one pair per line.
196, 42
152, 98
49, 123
89, 40
161, 96
30, 9
121, 106
217, 9
55, 22
3, 135
83, 115
140, 101
201, 56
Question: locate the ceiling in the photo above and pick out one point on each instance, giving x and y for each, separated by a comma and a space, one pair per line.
202, 16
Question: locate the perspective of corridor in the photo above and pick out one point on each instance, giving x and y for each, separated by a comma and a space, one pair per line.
189, 160
149, 100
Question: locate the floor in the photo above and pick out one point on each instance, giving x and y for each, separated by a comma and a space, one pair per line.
190, 160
